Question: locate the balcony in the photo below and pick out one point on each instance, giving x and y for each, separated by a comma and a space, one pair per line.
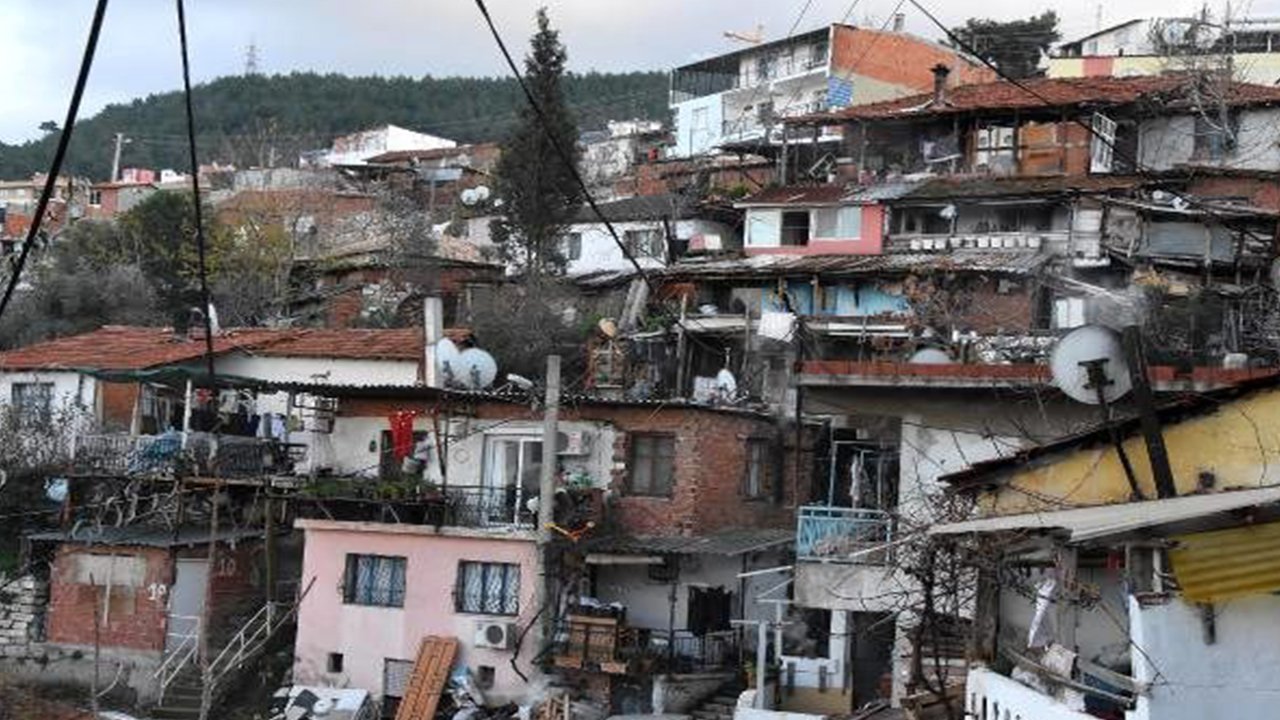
607, 645
844, 535
992, 696
172, 454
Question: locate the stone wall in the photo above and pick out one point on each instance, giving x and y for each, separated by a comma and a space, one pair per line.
22, 605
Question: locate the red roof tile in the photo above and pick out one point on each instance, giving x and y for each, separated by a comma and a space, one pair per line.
797, 194
1167, 90
122, 347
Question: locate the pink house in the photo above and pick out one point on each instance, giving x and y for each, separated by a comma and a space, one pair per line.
378, 588
812, 220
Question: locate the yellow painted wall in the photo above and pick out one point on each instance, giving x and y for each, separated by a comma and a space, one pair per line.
1261, 68
1239, 443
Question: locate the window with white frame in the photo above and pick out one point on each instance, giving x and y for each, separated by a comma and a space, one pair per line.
376, 580
488, 588
795, 228
652, 464
510, 477
572, 246
838, 223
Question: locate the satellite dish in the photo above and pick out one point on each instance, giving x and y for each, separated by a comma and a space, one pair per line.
476, 369
931, 356
469, 197
54, 488
1082, 346
447, 359
481, 192
323, 707
726, 384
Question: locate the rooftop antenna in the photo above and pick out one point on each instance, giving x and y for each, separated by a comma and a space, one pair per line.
753, 37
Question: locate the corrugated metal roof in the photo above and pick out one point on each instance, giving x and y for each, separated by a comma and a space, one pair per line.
771, 266
1226, 564
146, 536
729, 543
1092, 523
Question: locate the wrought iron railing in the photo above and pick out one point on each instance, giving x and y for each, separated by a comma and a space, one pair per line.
850, 535
477, 506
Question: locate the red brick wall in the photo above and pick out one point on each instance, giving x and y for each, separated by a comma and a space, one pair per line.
710, 465
135, 619
1263, 192
900, 59
236, 586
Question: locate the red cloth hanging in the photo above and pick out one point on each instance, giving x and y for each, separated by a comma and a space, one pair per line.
401, 433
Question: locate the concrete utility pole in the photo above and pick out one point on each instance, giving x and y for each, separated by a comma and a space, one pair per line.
115, 159
546, 494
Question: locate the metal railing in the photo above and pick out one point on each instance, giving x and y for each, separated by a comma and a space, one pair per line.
620, 649
173, 453
182, 654
251, 638
851, 535
474, 506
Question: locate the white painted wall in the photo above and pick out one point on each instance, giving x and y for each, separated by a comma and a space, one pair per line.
328, 371
601, 253
69, 388
1234, 677
698, 124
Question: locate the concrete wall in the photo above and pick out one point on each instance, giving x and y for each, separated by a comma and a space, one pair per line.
367, 636
1260, 68
1167, 142
600, 252
696, 139
1191, 679
69, 388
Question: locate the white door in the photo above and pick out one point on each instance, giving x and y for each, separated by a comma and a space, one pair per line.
186, 601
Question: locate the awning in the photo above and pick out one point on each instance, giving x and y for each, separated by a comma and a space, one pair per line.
729, 543
1226, 564
1091, 523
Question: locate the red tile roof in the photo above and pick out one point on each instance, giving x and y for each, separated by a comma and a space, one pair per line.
797, 194
122, 347
1169, 91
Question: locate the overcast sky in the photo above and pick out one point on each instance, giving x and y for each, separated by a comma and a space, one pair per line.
41, 40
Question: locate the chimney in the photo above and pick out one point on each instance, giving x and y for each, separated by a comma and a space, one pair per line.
940, 73
899, 19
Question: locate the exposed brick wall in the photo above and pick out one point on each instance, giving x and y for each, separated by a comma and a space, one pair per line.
710, 465
137, 616
236, 586
900, 59
1263, 192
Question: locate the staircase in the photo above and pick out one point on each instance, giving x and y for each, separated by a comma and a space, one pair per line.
180, 677
721, 705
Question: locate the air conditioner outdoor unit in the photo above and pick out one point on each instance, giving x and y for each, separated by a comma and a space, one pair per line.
494, 635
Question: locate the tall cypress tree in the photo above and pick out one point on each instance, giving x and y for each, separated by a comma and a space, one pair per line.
536, 186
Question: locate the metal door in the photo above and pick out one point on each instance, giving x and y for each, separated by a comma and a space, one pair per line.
186, 601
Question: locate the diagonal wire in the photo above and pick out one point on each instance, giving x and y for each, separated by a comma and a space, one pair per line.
206, 312
68, 125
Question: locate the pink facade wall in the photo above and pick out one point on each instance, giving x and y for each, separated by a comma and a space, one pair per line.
367, 636
871, 241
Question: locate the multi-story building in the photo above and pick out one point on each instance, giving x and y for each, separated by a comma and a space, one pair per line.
736, 101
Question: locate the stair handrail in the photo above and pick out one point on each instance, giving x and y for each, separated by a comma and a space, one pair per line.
178, 658
249, 640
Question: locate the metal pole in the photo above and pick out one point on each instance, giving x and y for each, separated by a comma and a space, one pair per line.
1157, 453
546, 494
206, 621
762, 659
115, 158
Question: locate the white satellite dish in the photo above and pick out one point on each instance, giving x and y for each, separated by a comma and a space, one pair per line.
481, 192
476, 369
54, 488
323, 707
931, 356
726, 384
1083, 345
447, 360
469, 197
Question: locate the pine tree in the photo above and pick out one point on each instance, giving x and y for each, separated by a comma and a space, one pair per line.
539, 193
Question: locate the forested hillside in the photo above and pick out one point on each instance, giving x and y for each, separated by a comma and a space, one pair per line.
243, 119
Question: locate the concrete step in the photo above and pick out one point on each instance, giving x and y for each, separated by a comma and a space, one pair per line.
175, 713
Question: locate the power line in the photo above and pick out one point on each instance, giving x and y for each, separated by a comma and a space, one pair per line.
560, 151
68, 125
206, 312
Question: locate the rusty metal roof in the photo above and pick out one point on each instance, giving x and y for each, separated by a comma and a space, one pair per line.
728, 543
772, 266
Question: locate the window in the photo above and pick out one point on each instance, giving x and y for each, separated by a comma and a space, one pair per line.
766, 67
652, 464
818, 54
485, 675
486, 588
841, 223
760, 468
1214, 139
116, 580
95, 197
33, 400
334, 664
512, 470
645, 242
376, 580
795, 228
1102, 143
573, 246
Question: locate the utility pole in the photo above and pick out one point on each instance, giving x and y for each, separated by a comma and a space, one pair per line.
211, 563
115, 158
1157, 453
546, 494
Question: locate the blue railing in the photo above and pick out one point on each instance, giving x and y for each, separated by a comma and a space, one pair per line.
844, 535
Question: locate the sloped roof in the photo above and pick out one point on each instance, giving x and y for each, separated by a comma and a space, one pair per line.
1018, 263
641, 207
1166, 91
124, 347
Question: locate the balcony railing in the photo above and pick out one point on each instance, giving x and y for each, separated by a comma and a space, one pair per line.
844, 535
168, 455
598, 645
992, 696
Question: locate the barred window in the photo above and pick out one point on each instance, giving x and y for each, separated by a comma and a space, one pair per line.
652, 464
32, 400
488, 588
374, 580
